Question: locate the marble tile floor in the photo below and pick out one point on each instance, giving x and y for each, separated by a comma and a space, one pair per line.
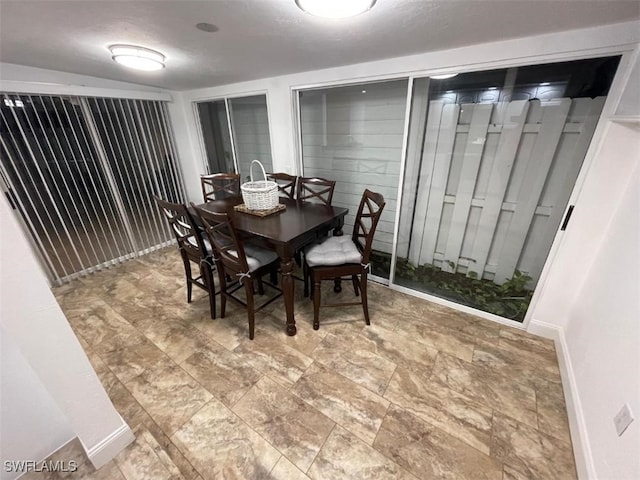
424, 392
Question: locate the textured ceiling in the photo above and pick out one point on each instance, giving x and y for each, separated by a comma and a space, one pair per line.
262, 38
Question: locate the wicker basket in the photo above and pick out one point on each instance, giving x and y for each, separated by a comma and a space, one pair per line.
261, 194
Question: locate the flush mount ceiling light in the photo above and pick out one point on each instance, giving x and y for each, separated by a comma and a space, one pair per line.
139, 58
335, 8
443, 76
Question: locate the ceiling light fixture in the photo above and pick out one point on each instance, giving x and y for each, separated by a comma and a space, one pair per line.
335, 8
443, 76
139, 58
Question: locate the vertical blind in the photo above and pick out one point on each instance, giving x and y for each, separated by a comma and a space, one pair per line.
82, 172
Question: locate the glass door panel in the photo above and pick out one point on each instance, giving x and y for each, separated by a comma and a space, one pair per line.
57, 183
353, 135
250, 127
136, 151
216, 136
82, 173
492, 158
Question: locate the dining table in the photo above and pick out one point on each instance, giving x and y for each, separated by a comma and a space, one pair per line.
285, 232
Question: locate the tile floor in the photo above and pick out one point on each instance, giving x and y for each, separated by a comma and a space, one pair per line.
424, 392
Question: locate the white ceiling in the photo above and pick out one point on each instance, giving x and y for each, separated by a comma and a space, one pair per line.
262, 38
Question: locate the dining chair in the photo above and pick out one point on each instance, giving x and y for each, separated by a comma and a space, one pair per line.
194, 248
286, 183
219, 185
338, 257
243, 263
315, 189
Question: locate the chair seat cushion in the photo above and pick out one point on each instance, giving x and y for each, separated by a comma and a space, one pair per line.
207, 245
256, 256
333, 251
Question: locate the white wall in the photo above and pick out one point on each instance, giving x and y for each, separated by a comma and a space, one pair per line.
603, 325
32, 424
31, 317
597, 328
22, 79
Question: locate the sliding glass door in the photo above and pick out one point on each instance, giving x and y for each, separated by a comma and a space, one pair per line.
491, 163
250, 128
235, 132
216, 136
82, 173
354, 135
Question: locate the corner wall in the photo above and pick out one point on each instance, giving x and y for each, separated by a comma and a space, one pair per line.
32, 318
603, 328
590, 300
32, 424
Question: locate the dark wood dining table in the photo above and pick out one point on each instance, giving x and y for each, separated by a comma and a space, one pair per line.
285, 232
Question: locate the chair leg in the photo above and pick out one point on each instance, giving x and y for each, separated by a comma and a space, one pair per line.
305, 278
248, 286
363, 291
273, 277
354, 279
223, 292
316, 302
260, 286
207, 275
187, 274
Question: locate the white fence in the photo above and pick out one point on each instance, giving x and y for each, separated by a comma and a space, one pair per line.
492, 183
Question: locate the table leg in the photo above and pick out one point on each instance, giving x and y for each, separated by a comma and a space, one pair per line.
286, 264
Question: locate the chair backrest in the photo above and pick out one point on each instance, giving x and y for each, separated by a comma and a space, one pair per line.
286, 183
314, 189
229, 252
367, 218
220, 185
184, 228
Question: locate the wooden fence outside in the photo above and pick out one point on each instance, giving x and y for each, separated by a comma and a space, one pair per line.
492, 183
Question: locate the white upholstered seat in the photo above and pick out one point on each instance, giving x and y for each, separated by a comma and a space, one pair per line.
333, 251
257, 257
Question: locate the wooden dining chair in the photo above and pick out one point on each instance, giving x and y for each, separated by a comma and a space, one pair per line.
286, 183
338, 257
193, 247
219, 185
243, 263
315, 189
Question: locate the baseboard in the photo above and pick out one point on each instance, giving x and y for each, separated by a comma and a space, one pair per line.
107, 449
579, 436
